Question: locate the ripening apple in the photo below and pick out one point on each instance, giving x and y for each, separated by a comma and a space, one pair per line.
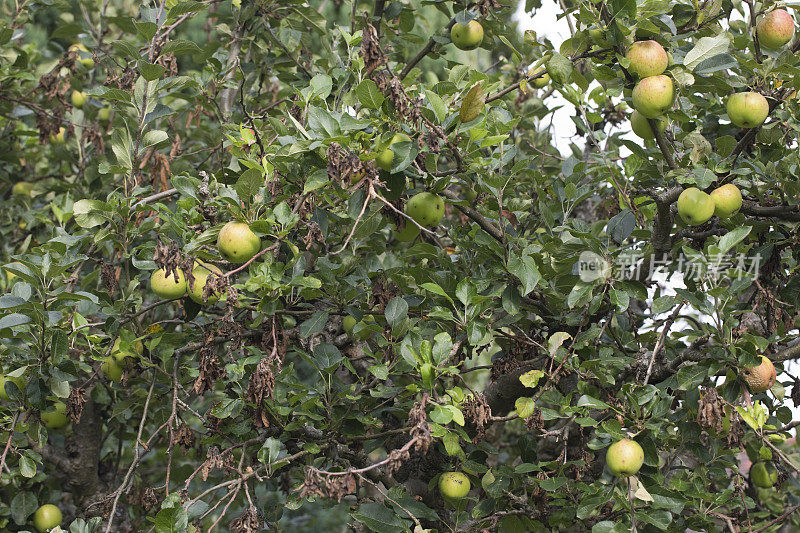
78, 98
775, 29
467, 36
760, 378
18, 381
454, 486
55, 418
201, 273
542, 78
747, 110
653, 96
648, 58
126, 357
641, 126
386, 156
83, 52
170, 287
60, 137
695, 207
104, 114
47, 517
727, 200
624, 458
111, 369
237, 242
426, 208
22, 188
763, 474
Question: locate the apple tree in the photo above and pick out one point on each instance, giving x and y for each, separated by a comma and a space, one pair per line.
276, 265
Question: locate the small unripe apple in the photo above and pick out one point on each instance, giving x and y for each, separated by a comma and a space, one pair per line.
648, 58
47, 517
104, 114
18, 381
426, 208
695, 207
170, 287
55, 418
201, 273
775, 29
454, 485
624, 458
641, 126
78, 98
60, 137
653, 96
727, 200
386, 156
348, 323
747, 110
542, 78
760, 378
467, 36
84, 56
237, 242
22, 188
111, 369
763, 474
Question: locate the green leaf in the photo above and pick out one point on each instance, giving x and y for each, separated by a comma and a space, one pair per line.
22, 506
559, 68
314, 324
379, 518
369, 95
248, 183
27, 467
89, 213
180, 46
525, 406
732, 238
437, 104
525, 269
396, 311
706, 48
151, 72
154, 137
531, 378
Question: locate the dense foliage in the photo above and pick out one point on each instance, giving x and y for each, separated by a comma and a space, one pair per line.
356, 357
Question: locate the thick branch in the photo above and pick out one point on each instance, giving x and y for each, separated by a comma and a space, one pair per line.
487, 226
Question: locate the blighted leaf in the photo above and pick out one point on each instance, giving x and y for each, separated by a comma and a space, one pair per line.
473, 103
525, 407
556, 340
531, 378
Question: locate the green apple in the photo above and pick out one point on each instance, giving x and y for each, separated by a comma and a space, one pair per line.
542, 78
78, 98
22, 188
170, 287
727, 200
775, 29
55, 418
641, 126
60, 137
18, 381
348, 323
695, 206
237, 242
201, 273
653, 96
84, 56
426, 208
386, 156
454, 485
104, 114
126, 357
111, 369
624, 458
763, 474
747, 110
647, 58
47, 517
467, 36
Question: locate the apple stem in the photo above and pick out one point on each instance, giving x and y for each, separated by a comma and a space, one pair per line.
630, 501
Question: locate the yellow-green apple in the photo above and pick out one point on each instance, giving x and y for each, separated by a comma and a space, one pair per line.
237, 242
647, 58
386, 156
624, 458
126, 357
775, 29
78, 98
47, 517
727, 200
104, 114
22, 188
467, 36
84, 56
168, 286
202, 271
407, 233
454, 485
426, 208
348, 323
695, 206
747, 110
55, 418
641, 126
760, 378
542, 78
653, 96
763, 474
111, 369
60, 137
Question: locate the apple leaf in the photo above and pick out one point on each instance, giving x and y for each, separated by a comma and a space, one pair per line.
732, 238
706, 48
525, 407
369, 95
556, 340
559, 68
531, 378
473, 103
